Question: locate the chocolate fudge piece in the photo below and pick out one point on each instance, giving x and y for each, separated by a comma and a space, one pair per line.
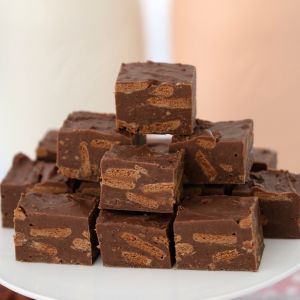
279, 200
135, 178
135, 240
217, 153
23, 175
56, 228
218, 233
47, 148
83, 140
156, 98
91, 188
263, 159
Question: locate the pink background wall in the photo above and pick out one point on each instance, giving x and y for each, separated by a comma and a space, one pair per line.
247, 55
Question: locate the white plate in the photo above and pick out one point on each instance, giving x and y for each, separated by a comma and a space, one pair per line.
64, 282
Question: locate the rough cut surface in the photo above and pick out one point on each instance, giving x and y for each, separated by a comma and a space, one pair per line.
56, 228
218, 233
135, 240
279, 200
83, 140
136, 178
156, 98
217, 153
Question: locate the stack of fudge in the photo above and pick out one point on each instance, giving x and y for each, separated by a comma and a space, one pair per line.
205, 201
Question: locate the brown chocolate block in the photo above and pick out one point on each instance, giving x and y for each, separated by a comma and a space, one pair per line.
135, 240
90, 188
217, 153
23, 175
279, 200
56, 228
47, 148
83, 140
263, 159
156, 98
218, 233
135, 178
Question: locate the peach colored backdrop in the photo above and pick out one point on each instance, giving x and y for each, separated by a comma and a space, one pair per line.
247, 55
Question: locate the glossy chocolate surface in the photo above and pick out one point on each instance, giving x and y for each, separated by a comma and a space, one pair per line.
156, 98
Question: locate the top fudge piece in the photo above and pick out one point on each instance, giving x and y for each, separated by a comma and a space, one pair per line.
82, 141
218, 233
263, 159
156, 98
47, 148
135, 178
279, 200
217, 153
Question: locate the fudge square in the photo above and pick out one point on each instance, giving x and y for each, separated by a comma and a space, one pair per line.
156, 98
23, 175
82, 141
217, 153
263, 159
47, 147
279, 200
218, 233
56, 228
135, 240
135, 178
